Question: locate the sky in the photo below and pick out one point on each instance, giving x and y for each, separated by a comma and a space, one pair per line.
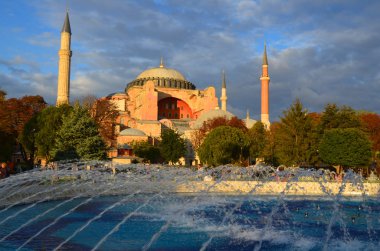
320, 52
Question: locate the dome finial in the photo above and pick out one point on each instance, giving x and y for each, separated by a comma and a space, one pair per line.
162, 62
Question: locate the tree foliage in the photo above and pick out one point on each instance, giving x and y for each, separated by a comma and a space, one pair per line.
105, 113
78, 137
371, 125
348, 147
172, 146
41, 131
198, 136
223, 145
338, 117
14, 114
146, 151
293, 136
258, 139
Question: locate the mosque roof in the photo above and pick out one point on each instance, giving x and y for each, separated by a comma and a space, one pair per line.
162, 77
211, 115
161, 72
132, 132
249, 122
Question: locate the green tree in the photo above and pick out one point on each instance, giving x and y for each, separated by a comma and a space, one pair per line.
338, 117
38, 136
78, 137
223, 145
172, 146
146, 151
293, 136
258, 140
348, 147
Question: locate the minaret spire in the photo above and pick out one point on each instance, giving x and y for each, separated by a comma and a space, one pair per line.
223, 97
64, 64
265, 58
265, 79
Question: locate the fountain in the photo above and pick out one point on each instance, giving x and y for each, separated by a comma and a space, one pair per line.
99, 206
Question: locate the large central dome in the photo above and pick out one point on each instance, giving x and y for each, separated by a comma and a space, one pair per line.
162, 77
161, 72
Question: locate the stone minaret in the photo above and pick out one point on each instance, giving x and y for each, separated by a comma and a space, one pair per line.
63, 92
223, 97
265, 90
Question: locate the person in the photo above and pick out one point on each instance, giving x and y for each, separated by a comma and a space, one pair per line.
3, 170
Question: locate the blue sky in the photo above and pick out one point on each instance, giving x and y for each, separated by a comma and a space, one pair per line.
319, 51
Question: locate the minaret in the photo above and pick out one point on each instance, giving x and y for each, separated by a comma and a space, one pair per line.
223, 97
265, 90
63, 92
247, 118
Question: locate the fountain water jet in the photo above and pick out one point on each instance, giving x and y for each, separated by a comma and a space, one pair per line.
239, 208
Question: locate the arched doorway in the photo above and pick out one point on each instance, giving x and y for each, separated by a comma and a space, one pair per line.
174, 108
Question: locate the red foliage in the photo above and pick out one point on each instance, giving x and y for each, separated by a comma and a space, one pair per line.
222, 121
105, 113
15, 113
371, 125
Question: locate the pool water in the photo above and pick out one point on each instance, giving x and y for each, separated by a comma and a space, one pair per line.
192, 222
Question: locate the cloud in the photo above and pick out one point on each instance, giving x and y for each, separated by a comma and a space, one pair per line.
319, 51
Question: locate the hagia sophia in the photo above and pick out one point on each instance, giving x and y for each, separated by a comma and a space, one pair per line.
160, 98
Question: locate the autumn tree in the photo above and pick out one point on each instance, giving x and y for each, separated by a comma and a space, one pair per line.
198, 135
104, 112
15, 113
371, 125
224, 145
172, 146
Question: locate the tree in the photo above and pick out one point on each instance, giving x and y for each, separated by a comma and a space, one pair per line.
172, 146
78, 137
257, 137
14, 114
293, 145
40, 132
223, 145
105, 113
371, 125
338, 117
348, 147
270, 152
146, 151
198, 136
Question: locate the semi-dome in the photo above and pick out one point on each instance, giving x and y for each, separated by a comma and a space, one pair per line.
212, 114
162, 77
132, 132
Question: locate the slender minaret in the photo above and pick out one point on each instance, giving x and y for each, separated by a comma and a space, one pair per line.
63, 92
265, 90
223, 97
